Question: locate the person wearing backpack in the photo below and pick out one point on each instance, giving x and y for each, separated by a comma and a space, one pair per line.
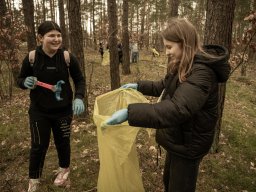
187, 113
49, 63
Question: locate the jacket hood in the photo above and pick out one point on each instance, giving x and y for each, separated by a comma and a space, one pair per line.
218, 63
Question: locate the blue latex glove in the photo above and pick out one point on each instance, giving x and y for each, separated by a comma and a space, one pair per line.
30, 82
78, 106
130, 85
118, 117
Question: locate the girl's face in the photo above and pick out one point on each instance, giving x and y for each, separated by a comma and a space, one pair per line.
51, 41
173, 50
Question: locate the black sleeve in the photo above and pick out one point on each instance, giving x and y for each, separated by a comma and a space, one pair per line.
25, 71
189, 97
77, 77
152, 88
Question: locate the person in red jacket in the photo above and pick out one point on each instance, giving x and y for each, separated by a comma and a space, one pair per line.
187, 113
46, 113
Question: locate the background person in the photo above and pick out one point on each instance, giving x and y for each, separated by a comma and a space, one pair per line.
134, 52
120, 52
101, 50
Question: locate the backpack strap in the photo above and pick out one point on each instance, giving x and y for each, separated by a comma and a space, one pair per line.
67, 57
31, 57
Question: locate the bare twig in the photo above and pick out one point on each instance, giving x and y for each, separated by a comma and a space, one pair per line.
94, 188
244, 51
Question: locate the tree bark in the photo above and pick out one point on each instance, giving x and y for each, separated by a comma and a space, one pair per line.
76, 39
112, 42
62, 25
142, 29
8, 46
94, 26
125, 39
52, 10
28, 11
218, 30
3, 8
174, 5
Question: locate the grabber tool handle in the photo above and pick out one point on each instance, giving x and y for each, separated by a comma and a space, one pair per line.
45, 85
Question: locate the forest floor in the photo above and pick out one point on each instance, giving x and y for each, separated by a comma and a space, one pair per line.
232, 169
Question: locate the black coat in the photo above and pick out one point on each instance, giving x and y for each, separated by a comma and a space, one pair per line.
50, 70
186, 116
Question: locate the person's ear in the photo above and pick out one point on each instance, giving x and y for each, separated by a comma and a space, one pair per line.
39, 38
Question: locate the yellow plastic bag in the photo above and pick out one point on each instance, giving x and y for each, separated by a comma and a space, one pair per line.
155, 52
106, 59
119, 166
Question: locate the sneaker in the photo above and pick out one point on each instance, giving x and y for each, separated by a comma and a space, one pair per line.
62, 177
33, 185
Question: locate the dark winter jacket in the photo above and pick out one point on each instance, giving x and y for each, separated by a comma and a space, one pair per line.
186, 117
51, 70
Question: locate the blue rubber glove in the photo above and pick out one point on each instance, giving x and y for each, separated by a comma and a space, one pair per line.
118, 117
130, 85
30, 82
78, 106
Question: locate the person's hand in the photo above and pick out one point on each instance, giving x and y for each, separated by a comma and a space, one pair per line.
30, 82
118, 117
130, 85
78, 106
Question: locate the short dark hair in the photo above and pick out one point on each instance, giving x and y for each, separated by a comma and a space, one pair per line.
47, 26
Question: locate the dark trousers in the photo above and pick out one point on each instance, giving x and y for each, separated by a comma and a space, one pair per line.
135, 57
180, 175
41, 128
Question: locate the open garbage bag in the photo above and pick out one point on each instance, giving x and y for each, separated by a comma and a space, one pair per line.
119, 165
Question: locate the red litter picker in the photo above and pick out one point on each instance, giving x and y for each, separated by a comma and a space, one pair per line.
55, 88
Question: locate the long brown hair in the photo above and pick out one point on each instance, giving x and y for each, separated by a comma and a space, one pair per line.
181, 31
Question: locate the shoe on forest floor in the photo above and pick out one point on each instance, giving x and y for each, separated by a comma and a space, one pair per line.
33, 185
62, 179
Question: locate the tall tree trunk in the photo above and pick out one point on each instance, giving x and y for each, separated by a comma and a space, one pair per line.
76, 38
131, 10
174, 5
148, 24
3, 8
44, 10
105, 30
199, 16
28, 11
218, 30
142, 25
112, 42
125, 39
9, 48
137, 23
251, 51
94, 26
62, 24
52, 10
101, 23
